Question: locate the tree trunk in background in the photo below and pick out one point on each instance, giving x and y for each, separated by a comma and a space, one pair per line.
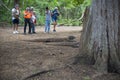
16, 2
100, 40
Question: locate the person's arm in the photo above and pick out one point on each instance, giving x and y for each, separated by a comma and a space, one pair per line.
46, 12
12, 12
17, 11
58, 13
50, 12
25, 13
34, 19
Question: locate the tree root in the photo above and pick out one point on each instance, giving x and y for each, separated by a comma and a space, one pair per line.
36, 75
69, 39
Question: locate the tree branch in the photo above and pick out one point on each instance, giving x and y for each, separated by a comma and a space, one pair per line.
4, 5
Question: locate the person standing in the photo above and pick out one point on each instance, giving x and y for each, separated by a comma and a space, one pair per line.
15, 18
55, 15
27, 18
33, 20
48, 19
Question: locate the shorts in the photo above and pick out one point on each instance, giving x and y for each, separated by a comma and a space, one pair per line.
54, 19
15, 21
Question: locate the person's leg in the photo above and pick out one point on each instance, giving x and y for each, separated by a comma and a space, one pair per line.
48, 26
34, 29
17, 22
54, 25
25, 25
14, 29
13, 25
30, 26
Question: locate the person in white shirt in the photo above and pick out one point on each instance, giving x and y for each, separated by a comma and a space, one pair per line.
15, 18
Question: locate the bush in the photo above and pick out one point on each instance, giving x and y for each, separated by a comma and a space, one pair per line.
70, 22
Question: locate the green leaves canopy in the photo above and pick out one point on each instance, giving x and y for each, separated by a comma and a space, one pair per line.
69, 9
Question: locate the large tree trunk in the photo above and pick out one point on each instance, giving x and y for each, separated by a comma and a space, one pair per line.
100, 40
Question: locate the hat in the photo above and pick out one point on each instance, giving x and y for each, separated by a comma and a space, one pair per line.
27, 8
31, 7
56, 7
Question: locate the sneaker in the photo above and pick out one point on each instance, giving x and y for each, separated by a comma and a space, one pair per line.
29, 33
34, 32
14, 32
54, 30
24, 33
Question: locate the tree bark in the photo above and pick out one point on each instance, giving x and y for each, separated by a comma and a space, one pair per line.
100, 40
16, 2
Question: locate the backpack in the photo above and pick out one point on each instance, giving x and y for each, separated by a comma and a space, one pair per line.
55, 13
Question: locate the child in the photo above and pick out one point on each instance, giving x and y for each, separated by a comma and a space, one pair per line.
48, 18
33, 18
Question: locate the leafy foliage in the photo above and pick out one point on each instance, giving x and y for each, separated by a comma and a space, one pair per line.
70, 10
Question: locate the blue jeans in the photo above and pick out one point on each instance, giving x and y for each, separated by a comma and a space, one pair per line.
47, 26
33, 27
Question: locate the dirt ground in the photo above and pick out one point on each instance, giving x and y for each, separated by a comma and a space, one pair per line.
24, 59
